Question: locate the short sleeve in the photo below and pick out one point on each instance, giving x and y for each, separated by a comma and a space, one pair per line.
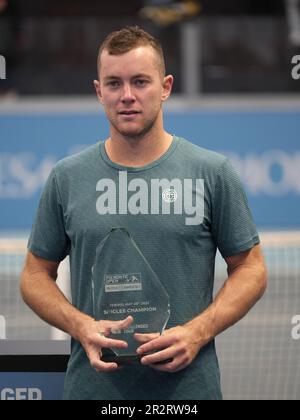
233, 228
48, 238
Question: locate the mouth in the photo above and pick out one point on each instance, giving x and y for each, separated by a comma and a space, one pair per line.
129, 112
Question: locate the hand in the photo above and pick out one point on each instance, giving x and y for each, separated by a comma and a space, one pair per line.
178, 343
94, 335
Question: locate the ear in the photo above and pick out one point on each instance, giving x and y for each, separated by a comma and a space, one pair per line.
167, 87
98, 90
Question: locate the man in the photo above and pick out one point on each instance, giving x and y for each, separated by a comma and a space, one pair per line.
209, 210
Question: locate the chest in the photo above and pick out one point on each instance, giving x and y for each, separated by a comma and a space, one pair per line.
172, 206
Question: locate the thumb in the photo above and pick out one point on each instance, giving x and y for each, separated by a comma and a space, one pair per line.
106, 327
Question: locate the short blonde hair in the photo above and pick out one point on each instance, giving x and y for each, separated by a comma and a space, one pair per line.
128, 38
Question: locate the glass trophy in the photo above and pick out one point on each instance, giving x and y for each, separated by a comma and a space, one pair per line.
123, 284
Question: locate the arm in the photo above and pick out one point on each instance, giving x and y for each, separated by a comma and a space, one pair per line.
245, 285
40, 292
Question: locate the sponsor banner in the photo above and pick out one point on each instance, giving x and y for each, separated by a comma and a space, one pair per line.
263, 147
31, 386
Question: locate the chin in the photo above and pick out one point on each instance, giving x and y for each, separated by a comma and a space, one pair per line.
132, 133
133, 130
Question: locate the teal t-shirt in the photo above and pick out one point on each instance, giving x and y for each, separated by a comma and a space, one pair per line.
179, 209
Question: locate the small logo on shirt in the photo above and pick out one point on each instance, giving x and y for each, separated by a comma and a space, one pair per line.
169, 195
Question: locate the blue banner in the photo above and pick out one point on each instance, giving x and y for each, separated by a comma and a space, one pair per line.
263, 146
31, 385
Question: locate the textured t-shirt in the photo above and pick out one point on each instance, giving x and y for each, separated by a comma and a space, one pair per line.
179, 209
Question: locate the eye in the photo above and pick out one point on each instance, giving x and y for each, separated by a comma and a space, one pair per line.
140, 82
113, 83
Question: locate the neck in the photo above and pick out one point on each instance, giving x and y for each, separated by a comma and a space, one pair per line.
137, 151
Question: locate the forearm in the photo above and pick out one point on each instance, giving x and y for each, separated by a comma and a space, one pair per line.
40, 291
240, 292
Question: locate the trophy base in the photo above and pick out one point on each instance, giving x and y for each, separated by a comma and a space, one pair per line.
127, 359
121, 359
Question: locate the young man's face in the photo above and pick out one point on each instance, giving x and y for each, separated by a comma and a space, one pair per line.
131, 89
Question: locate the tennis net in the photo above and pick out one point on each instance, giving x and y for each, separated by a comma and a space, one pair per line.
259, 357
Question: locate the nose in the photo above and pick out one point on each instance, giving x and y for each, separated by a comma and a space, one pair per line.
127, 94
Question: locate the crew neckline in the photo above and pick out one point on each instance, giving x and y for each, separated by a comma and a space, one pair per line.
150, 165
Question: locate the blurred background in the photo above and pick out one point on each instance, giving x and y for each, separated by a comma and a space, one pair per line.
240, 46
237, 81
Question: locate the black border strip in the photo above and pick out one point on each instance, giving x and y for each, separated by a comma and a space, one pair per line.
34, 363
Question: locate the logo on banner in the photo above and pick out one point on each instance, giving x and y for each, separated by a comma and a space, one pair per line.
273, 173
21, 394
22, 175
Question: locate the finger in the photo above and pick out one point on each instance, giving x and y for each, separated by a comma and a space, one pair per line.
144, 338
170, 367
106, 327
100, 340
124, 323
101, 366
159, 357
110, 342
172, 364
105, 331
121, 325
156, 344
96, 362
